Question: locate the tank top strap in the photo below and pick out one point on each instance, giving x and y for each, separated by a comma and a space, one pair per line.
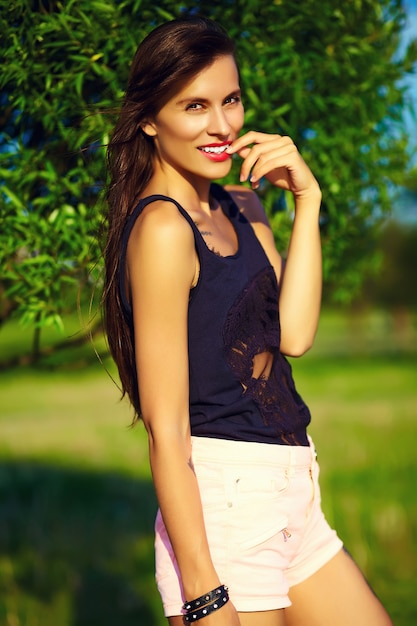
130, 222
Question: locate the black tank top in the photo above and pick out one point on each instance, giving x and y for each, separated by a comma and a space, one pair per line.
241, 386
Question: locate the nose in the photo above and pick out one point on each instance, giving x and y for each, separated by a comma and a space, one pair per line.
218, 124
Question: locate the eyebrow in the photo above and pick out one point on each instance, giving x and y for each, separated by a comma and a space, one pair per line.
235, 92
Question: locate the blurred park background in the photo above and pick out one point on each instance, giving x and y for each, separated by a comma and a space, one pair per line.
76, 500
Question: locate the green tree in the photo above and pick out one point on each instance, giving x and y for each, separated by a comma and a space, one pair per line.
327, 74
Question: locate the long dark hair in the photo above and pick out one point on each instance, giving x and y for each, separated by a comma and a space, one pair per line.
170, 56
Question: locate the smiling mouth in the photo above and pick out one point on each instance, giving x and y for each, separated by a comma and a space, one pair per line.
219, 149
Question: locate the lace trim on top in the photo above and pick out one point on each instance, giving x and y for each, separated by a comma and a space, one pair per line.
251, 338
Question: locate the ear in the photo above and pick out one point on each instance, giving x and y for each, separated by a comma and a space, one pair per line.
149, 129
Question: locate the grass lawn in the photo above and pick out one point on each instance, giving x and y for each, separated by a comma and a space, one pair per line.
77, 504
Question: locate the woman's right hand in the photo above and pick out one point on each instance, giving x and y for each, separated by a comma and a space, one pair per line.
161, 264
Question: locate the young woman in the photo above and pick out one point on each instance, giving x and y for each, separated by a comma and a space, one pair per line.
199, 313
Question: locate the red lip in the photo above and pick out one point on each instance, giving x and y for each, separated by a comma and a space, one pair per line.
217, 157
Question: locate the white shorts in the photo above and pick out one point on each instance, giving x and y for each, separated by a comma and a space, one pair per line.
263, 519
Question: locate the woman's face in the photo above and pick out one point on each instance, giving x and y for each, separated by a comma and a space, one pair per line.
194, 128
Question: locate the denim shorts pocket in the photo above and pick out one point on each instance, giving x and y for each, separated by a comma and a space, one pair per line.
261, 484
262, 536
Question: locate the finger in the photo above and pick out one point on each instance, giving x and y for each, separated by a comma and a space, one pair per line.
244, 152
249, 138
284, 157
258, 154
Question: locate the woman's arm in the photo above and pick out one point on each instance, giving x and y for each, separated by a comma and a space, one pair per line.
278, 159
301, 285
161, 269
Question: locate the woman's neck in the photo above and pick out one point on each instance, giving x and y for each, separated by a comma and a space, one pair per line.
191, 194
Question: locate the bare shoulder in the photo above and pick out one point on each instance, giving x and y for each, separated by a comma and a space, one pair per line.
248, 202
162, 247
161, 219
161, 227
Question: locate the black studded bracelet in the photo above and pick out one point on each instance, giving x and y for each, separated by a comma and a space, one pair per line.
206, 598
194, 615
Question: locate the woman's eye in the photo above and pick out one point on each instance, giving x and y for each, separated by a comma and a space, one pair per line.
194, 106
232, 100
